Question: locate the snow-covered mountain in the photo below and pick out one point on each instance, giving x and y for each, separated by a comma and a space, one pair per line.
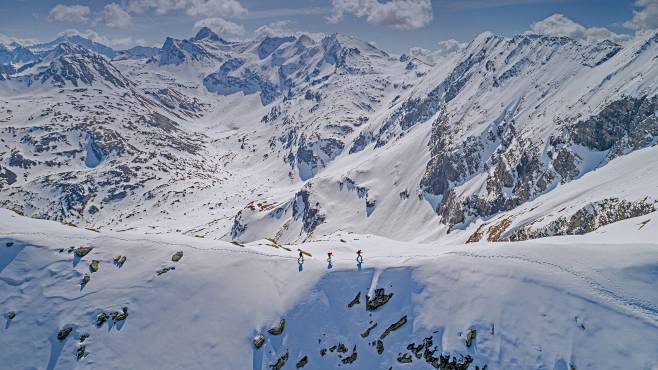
326, 142
300, 136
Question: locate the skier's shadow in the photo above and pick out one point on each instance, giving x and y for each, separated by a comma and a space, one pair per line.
300, 265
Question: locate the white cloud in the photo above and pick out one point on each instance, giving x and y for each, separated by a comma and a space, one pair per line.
286, 12
114, 16
484, 4
69, 13
398, 14
645, 17
559, 25
221, 26
8, 40
273, 29
207, 8
449, 46
219, 8
113, 42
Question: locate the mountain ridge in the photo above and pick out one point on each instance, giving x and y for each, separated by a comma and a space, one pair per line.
503, 121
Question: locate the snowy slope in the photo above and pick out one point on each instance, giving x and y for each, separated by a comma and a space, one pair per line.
547, 304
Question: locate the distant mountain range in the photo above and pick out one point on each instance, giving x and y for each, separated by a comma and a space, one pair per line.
298, 136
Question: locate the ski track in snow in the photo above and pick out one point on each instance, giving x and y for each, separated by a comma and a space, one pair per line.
629, 305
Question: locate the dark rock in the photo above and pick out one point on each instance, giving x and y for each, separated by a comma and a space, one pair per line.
429, 352
9, 244
586, 219
323, 352
380, 299
11, 315
101, 319
280, 363
259, 341
624, 125
379, 345
366, 333
302, 362
82, 251
355, 301
93, 267
404, 359
444, 362
351, 358
81, 352
417, 350
85, 280
277, 330
83, 337
302, 209
120, 316
119, 260
165, 270
395, 326
341, 348
177, 256
62, 334
470, 337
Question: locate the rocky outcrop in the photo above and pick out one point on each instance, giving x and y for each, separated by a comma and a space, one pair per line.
7, 177
355, 301
120, 316
351, 358
470, 337
177, 256
64, 333
314, 155
280, 362
379, 299
585, 220
518, 171
259, 340
277, 330
621, 127
164, 270
101, 319
302, 362
82, 251
393, 327
404, 358
366, 333
229, 81
309, 214
119, 260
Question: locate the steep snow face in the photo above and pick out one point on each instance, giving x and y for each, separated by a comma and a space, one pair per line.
501, 116
454, 301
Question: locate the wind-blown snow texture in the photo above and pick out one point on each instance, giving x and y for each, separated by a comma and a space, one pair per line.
587, 301
307, 139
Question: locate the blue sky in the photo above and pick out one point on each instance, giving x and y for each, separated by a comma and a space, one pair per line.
394, 25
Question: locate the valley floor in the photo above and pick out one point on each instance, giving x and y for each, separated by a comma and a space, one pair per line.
585, 302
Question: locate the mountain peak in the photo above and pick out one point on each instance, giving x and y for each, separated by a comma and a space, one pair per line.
206, 33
